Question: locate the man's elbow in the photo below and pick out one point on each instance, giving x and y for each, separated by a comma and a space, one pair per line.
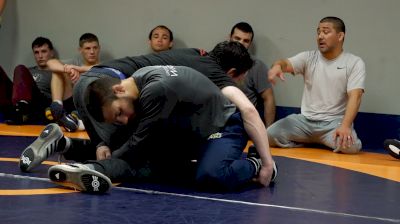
249, 110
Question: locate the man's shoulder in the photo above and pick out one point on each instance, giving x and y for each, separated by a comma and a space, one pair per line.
35, 69
73, 61
258, 62
352, 56
258, 66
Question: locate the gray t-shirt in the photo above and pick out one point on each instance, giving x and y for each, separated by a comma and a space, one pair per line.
42, 79
327, 82
255, 83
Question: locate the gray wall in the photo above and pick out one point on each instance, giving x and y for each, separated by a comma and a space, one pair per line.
283, 28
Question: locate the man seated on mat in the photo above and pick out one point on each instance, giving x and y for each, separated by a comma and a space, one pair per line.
161, 38
24, 100
65, 74
334, 82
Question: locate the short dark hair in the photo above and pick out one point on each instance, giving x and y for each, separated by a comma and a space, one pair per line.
171, 35
338, 23
40, 41
245, 27
98, 94
232, 54
87, 37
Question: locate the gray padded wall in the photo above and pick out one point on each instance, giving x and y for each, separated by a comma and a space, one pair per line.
283, 28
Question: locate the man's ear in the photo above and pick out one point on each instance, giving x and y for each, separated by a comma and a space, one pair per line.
341, 36
231, 72
118, 89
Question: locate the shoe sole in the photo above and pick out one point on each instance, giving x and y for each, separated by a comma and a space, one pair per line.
90, 181
46, 138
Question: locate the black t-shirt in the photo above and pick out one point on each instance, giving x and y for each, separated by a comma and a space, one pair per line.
176, 98
188, 57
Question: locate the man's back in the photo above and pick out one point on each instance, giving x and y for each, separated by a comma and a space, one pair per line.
189, 57
181, 97
175, 101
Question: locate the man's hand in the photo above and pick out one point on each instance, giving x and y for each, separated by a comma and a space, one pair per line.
74, 75
73, 71
275, 71
343, 137
265, 175
103, 152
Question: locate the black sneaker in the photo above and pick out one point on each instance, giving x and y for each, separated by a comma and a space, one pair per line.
20, 113
254, 157
393, 147
79, 177
252, 152
42, 148
69, 123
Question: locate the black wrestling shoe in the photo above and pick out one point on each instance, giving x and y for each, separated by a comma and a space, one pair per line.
56, 113
69, 123
252, 152
257, 164
254, 157
20, 113
79, 177
43, 147
393, 147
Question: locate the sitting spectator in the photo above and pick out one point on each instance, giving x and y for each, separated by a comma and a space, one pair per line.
256, 85
30, 87
161, 39
65, 73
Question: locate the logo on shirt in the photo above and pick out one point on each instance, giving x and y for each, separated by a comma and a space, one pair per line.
36, 76
341, 67
170, 70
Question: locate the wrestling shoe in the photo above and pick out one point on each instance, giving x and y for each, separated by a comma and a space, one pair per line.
81, 126
252, 152
48, 142
20, 114
69, 123
254, 157
79, 177
393, 147
56, 113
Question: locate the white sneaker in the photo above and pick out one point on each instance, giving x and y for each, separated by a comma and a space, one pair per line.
79, 177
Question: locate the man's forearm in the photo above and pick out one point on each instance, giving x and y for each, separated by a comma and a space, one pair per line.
55, 65
353, 105
258, 134
252, 122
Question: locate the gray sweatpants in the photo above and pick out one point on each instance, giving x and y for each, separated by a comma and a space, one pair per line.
296, 130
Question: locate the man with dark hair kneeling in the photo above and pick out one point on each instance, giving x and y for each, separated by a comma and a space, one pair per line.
169, 125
